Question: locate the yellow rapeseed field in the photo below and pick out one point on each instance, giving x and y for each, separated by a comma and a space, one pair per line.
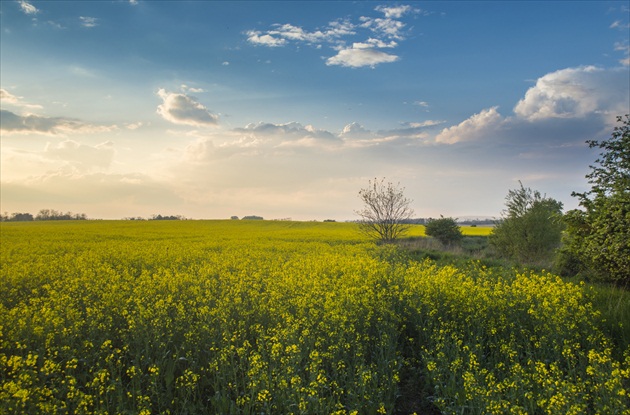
260, 317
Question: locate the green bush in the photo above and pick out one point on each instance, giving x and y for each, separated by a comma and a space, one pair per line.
444, 230
531, 228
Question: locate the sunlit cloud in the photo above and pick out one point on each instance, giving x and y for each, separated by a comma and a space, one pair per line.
27, 7
7, 98
184, 110
577, 92
472, 128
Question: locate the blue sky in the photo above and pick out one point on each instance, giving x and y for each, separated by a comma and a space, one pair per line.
211, 109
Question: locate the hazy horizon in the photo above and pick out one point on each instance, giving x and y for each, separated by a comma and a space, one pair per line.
287, 109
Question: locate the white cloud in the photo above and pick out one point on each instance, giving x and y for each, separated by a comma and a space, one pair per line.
577, 92
389, 28
88, 21
472, 128
396, 12
185, 88
383, 33
34, 124
356, 58
27, 7
185, 110
257, 38
374, 43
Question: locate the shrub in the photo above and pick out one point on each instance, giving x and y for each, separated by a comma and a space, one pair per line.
444, 230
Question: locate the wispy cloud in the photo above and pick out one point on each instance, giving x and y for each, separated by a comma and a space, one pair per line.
7, 98
625, 48
184, 110
396, 12
87, 21
34, 124
27, 7
81, 157
384, 33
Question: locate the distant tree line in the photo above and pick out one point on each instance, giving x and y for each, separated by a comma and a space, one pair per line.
167, 217
44, 214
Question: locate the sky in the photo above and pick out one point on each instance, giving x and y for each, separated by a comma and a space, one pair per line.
211, 109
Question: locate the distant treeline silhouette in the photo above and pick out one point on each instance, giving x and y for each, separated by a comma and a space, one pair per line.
44, 214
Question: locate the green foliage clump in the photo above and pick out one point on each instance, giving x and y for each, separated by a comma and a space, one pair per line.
444, 230
598, 236
531, 227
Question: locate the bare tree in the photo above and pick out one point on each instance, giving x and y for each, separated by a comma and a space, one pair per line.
386, 212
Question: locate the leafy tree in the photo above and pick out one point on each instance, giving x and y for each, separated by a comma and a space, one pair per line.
531, 227
444, 230
598, 237
386, 211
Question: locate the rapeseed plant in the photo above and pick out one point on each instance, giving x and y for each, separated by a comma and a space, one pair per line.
283, 317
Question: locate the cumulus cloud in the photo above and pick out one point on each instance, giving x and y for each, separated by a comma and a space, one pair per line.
566, 106
27, 7
257, 38
384, 33
356, 58
575, 93
34, 124
185, 110
355, 131
472, 128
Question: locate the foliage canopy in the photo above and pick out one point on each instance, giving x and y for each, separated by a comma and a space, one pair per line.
599, 235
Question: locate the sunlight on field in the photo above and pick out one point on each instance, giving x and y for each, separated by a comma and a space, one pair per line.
418, 230
284, 317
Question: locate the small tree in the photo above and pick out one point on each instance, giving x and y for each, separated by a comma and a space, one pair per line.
598, 237
531, 227
386, 211
445, 230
